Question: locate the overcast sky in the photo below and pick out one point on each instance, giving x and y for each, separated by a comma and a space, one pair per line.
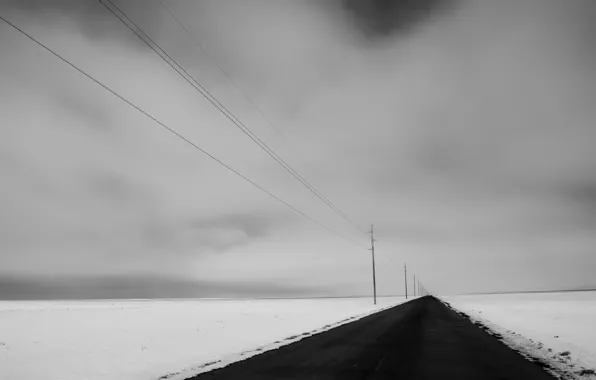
464, 130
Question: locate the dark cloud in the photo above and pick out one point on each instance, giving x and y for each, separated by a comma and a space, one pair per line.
384, 18
583, 192
93, 19
581, 197
139, 287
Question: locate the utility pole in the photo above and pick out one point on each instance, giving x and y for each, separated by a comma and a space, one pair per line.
372, 249
406, 279
414, 285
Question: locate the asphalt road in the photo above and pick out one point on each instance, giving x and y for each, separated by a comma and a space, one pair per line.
421, 339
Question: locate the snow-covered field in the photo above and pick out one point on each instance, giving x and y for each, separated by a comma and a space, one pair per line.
544, 325
148, 339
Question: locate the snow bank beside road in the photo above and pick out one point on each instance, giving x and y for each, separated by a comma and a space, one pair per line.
146, 339
558, 326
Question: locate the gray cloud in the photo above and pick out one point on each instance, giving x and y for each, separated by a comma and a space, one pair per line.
215, 234
112, 187
92, 115
255, 226
466, 135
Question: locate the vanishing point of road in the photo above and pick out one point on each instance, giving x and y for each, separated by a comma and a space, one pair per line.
421, 339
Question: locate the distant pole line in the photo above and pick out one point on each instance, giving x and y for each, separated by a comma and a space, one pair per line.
138, 31
374, 278
172, 131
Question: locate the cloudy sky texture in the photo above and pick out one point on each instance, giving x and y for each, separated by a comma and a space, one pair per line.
464, 130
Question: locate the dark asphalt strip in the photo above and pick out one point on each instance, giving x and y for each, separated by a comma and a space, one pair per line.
421, 339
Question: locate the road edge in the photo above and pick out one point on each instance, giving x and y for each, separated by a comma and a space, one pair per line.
190, 372
520, 344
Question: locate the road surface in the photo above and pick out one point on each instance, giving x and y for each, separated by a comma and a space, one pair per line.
421, 339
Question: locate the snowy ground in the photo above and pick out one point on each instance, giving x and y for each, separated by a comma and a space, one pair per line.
555, 327
141, 340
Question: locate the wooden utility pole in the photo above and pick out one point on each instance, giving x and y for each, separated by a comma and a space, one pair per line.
406, 279
372, 249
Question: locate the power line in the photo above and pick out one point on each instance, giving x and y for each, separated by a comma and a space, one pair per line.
198, 44
138, 31
174, 132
